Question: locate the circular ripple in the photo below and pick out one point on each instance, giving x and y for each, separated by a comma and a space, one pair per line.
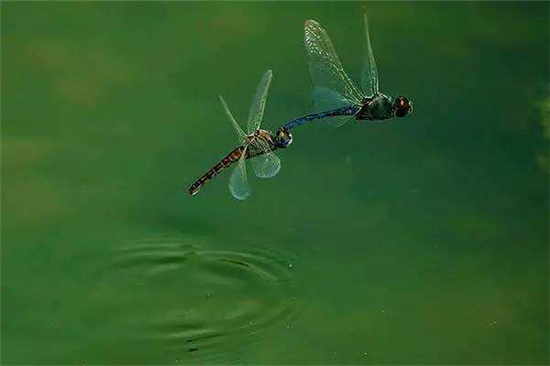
201, 303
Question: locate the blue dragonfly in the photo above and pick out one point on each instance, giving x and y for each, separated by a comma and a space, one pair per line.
334, 94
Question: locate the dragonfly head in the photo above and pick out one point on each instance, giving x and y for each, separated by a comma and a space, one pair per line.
283, 138
402, 106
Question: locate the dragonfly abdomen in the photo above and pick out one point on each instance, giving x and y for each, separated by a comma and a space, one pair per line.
226, 162
344, 111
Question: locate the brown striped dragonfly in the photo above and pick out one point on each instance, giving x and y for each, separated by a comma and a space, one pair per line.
257, 145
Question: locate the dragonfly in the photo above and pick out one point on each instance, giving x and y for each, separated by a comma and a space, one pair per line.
335, 95
257, 144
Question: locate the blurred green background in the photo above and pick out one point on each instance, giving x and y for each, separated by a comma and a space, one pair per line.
418, 241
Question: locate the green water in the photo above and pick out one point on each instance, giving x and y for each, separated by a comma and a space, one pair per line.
419, 241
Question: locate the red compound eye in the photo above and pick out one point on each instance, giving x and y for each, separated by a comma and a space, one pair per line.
402, 106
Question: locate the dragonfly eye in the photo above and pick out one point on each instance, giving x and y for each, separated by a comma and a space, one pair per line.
283, 138
402, 106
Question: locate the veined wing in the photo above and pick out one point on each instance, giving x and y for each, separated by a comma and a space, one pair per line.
326, 99
238, 129
266, 165
258, 104
369, 74
238, 184
330, 80
339, 120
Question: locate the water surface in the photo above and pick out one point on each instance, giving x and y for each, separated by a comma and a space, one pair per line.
420, 241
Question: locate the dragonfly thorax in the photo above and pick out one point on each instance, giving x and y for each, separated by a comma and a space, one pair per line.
261, 134
378, 107
258, 142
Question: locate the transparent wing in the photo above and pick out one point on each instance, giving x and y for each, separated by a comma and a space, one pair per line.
369, 74
266, 165
238, 184
326, 70
326, 99
339, 121
258, 104
240, 132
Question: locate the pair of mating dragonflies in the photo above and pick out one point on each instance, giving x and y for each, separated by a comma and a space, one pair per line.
336, 98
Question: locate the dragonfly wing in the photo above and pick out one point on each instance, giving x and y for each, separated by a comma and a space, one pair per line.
326, 99
339, 121
369, 74
238, 129
266, 165
238, 183
326, 70
258, 104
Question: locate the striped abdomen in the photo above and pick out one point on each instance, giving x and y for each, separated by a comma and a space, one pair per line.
229, 159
